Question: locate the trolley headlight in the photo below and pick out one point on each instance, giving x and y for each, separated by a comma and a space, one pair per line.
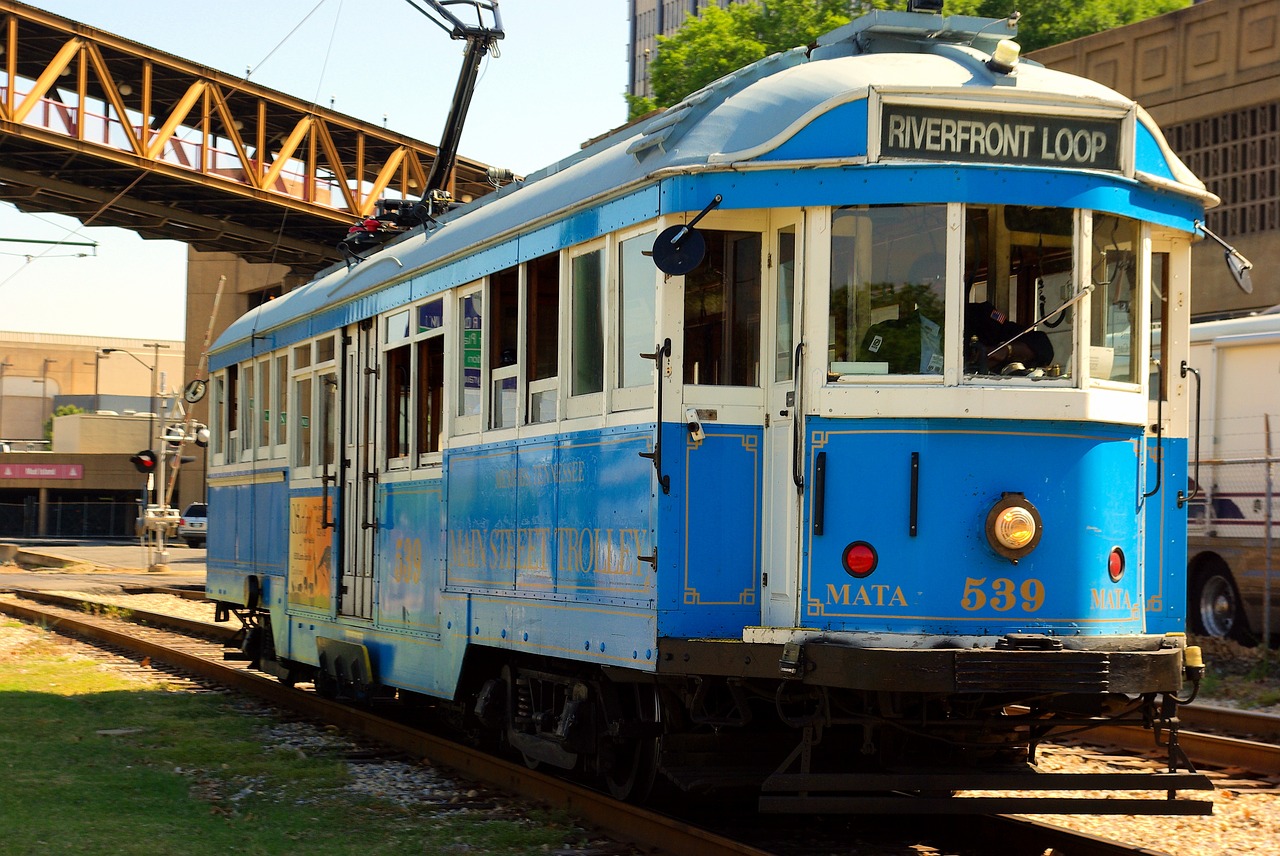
1014, 526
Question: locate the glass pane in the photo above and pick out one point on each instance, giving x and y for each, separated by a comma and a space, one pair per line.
1018, 273
888, 290
397, 402
503, 403
302, 356
398, 327
472, 332
329, 418
250, 412
302, 452
637, 301
217, 407
1114, 300
324, 349
543, 337
282, 397
784, 335
264, 390
1159, 380
722, 312
430, 393
588, 323
430, 316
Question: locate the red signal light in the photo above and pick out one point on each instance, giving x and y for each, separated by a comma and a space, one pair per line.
145, 461
860, 559
1115, 564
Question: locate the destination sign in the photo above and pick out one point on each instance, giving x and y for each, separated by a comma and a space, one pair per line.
989, 136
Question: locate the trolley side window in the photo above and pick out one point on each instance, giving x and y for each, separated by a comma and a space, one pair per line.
587, 307
430, 380
1018, 263
542, 348
1115, 299
637, 311
471, 359
888, 290
280, 431
249, 410
302, 429
265, 390
722, 312
504, 347
1159, 368
397, 390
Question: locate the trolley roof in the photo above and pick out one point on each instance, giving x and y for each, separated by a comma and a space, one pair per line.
795, 110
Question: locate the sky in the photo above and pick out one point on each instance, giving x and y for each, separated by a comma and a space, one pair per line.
557, 82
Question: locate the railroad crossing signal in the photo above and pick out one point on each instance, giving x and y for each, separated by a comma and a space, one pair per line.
145, 461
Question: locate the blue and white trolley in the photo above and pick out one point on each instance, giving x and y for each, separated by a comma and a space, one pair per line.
862, 487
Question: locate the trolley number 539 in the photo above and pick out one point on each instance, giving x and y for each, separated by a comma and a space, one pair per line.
408, 561
1002, 594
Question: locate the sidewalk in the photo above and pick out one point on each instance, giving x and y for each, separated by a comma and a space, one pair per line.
94, 567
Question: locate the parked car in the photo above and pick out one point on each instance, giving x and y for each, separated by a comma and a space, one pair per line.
194, 524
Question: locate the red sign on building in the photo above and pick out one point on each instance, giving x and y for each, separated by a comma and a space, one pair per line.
41, 471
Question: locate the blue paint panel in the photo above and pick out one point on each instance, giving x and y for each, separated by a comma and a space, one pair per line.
711, 530
411, 552
1147, 155
564, 517
1083, 479
838, 133
1166, 548
245, 522
885, 183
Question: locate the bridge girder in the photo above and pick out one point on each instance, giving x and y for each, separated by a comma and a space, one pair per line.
113, 132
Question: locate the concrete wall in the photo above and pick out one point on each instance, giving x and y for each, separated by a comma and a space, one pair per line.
1210, 75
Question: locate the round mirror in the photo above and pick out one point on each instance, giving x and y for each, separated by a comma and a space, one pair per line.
678, 250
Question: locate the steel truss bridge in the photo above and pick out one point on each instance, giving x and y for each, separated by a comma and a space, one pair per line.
114, 133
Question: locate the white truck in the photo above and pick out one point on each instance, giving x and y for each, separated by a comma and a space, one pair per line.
1233, 536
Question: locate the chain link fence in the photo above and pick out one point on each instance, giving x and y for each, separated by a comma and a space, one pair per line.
68, 519
1237, 503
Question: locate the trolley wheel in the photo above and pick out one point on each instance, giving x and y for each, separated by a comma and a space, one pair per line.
635, 763
1215, 608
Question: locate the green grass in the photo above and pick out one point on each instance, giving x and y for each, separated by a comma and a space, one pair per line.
93, 762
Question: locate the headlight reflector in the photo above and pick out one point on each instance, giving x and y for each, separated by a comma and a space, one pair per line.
1014, 526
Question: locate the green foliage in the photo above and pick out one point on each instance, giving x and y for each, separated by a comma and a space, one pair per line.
1050, 22
638, 105
721, 41
64, 410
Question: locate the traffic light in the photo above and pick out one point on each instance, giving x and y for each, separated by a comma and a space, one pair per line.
145, 461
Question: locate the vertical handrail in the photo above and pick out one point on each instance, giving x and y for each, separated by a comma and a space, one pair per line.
1160, 433
797, 446
1183, 497
660, 351
326, 521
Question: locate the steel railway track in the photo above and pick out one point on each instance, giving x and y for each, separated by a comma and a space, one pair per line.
175, 647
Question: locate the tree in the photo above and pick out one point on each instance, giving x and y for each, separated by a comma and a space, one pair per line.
721, 41
1050, 22
64, 410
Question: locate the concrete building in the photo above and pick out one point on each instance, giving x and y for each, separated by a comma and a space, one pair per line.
81, 485
1210, 75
